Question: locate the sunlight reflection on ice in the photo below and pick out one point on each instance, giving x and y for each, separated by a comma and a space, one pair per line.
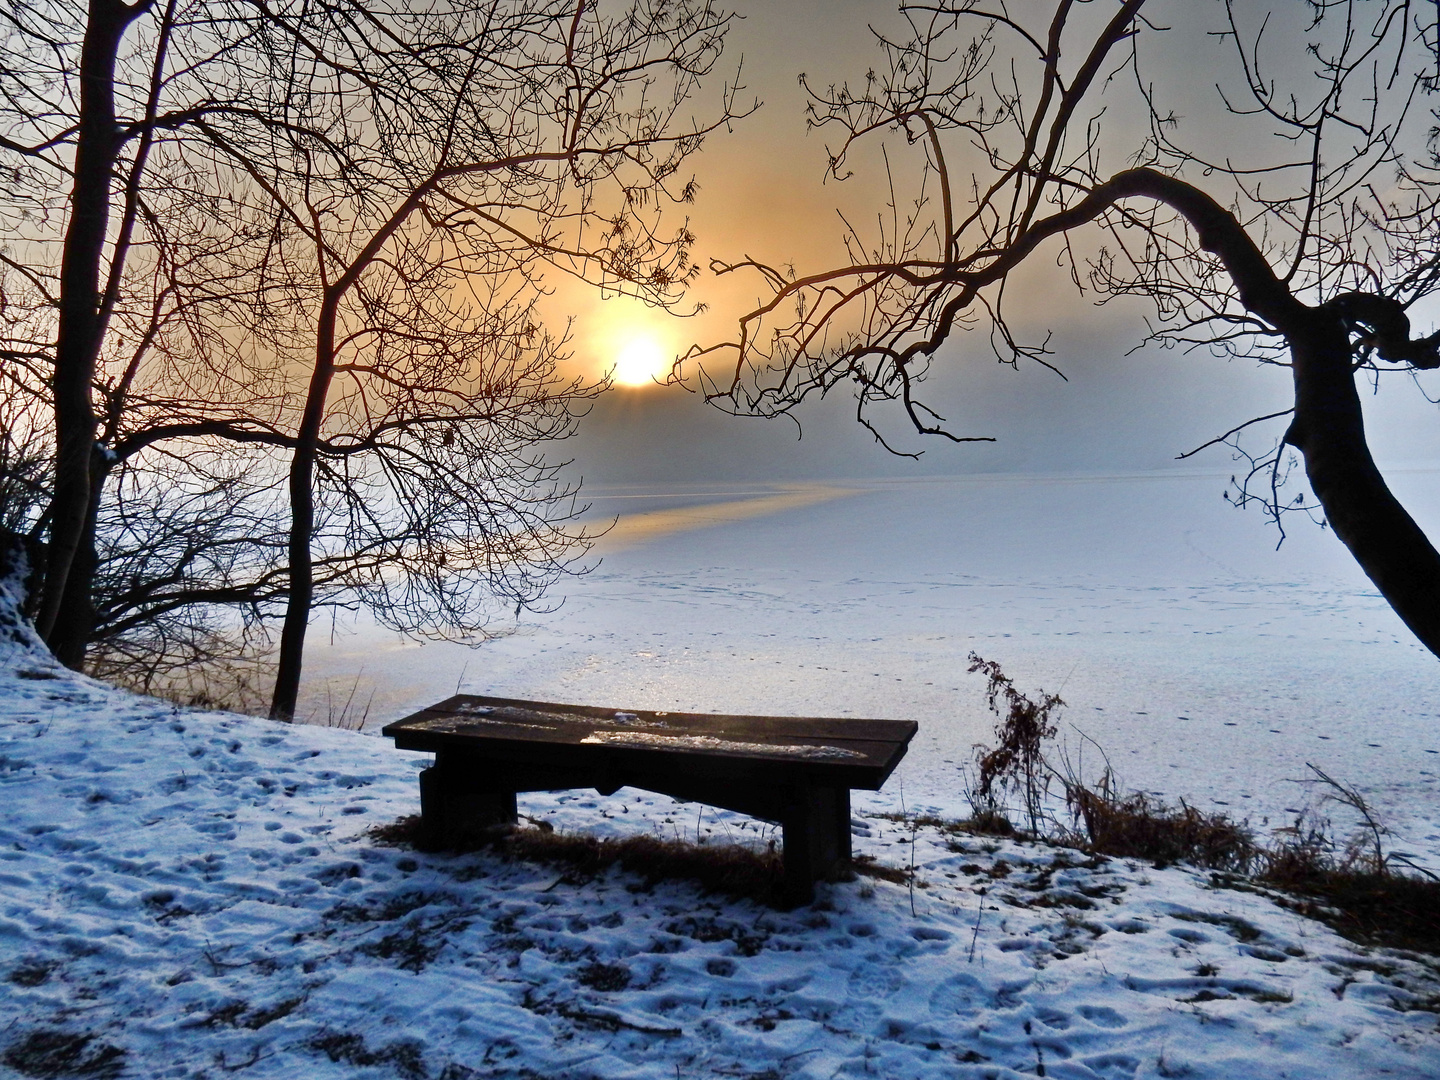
642, 528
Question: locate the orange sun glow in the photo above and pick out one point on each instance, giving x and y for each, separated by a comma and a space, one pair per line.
640, 361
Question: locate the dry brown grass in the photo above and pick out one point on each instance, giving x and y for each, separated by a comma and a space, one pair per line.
735, 871
1140, 827
1360, 895
1354, 887
1356, 891
869, 866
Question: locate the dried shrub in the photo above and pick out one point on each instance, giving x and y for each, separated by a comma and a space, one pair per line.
1354, 890
1018, 763
1389, 908
990, 821
1354, 886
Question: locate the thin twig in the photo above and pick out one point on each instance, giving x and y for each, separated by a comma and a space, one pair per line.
975, 937
1233, 431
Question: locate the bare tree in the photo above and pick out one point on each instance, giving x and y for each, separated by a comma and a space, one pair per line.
117, 239
1295, 222
26, 461
189, 567
312, 259
433, 164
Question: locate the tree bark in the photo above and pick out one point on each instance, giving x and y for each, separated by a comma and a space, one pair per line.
77, 343
302, 518
71, 635
1329, 432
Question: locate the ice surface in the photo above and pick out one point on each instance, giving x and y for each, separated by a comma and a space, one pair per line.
1207, 664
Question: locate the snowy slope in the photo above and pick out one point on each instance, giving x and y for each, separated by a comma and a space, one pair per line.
187, 894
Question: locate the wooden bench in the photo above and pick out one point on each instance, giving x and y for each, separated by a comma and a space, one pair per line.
794, 771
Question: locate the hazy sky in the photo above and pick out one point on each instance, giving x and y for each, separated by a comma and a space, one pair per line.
763, 194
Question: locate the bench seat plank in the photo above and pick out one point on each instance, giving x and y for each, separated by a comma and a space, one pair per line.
828, 729
868, 768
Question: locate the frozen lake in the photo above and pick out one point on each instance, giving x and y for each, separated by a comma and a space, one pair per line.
1208, 665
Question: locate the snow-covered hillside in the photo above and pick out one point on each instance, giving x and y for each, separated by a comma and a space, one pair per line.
186, 894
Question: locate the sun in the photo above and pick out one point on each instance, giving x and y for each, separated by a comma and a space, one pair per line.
640, 361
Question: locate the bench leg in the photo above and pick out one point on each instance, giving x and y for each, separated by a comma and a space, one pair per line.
842, 827
817, 839
455, 802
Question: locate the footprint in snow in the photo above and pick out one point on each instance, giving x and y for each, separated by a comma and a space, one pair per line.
1101, 1016
1112, 1066
1053, 1018
963, 995
872, 981
1193, 937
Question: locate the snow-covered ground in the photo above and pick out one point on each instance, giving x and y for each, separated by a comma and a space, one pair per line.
190, 894
195, 895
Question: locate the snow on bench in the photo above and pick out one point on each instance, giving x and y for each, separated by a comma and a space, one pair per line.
797, 772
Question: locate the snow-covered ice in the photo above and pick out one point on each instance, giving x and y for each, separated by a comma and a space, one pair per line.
1207, 664
189, 894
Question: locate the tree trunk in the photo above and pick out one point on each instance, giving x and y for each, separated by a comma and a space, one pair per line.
302, 518
70, 637
1329, 431
78, 339
302, 584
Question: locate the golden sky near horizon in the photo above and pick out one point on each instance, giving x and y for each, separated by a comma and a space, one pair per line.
764, 194
762, 190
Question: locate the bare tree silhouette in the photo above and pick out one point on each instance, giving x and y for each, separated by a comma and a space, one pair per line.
284, 261
1296, 222
496, 141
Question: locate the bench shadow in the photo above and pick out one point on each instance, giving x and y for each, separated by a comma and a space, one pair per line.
730, 869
